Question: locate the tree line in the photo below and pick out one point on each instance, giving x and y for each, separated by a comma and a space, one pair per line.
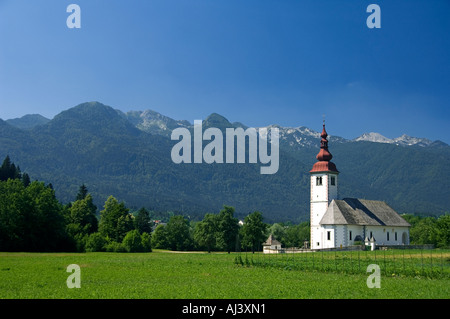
215, 232
32, 219
429, 230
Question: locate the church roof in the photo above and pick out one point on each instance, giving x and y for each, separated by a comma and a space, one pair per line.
353, 211
324, 166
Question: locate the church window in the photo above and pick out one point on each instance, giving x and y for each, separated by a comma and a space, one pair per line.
395, 234
333, 180
350, 235
328, 235
387, 236
318, 181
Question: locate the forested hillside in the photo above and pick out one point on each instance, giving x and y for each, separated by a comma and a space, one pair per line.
105, 149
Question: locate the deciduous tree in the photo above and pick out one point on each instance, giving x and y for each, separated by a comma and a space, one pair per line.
114, 220
206, 231
228, 229
178, 233
254, 231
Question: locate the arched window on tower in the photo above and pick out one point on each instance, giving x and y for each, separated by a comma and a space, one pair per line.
319, 181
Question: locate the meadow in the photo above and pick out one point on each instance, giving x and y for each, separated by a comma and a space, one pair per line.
428, 263
196, 275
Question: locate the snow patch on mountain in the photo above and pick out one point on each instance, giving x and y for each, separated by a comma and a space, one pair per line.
404, 140
301, 136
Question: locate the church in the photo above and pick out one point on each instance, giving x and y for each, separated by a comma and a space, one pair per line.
337, 223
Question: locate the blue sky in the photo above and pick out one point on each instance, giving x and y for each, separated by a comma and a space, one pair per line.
258, 62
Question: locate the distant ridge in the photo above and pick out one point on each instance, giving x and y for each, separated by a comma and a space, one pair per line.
156, 123
29, 121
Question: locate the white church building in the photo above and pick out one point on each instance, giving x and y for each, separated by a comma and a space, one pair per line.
340, 222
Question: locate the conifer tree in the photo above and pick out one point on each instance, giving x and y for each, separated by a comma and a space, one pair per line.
26, 179
82, 192
142, 221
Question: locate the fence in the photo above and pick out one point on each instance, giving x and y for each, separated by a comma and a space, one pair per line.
432, 263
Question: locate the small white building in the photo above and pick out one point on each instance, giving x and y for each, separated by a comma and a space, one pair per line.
271, 246
339, 223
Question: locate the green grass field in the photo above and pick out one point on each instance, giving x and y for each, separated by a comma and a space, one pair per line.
169, 275
394, 262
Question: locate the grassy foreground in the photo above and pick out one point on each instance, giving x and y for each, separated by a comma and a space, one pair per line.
168, 275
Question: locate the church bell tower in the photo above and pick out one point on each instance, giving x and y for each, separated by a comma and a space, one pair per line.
324, 188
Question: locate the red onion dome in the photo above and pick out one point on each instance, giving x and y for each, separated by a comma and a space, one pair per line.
324, 156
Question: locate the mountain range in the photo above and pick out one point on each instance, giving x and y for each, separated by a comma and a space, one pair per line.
127, 155
156, 123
